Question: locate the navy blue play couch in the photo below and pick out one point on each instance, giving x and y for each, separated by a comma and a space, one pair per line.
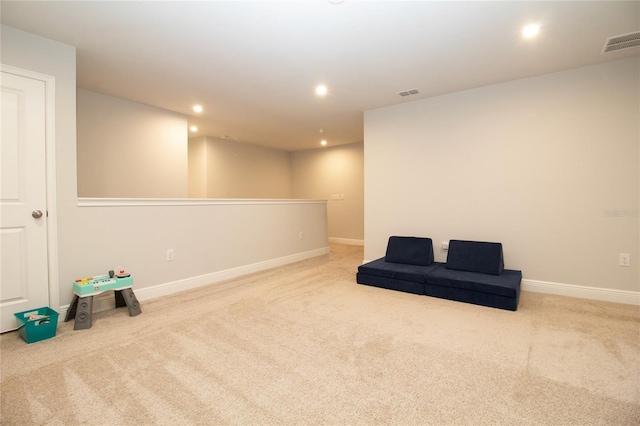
474, 272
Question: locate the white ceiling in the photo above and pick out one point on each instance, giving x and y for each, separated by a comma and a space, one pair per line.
254, 65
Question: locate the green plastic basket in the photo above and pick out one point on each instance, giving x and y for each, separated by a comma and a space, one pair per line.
35, 325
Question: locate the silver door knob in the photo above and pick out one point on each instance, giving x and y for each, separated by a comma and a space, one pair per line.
37, 214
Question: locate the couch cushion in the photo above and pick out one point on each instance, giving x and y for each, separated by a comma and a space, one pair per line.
390, 283
413, 273
470, 296
506, 284
475, 256
410, 250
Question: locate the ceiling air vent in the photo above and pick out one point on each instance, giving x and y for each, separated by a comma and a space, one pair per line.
409, 92
624, 41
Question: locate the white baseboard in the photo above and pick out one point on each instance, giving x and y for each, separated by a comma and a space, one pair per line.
166, 289
582, 292
106, 300
348, 241
579, 291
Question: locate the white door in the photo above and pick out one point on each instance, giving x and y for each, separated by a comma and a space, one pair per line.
24, 281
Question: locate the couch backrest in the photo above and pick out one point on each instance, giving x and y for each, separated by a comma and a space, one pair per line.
475, 256
410, 250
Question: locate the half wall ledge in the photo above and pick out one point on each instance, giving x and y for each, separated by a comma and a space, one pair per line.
137, 202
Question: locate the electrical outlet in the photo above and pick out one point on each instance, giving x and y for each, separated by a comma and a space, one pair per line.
445, 245
624, 259
169, 255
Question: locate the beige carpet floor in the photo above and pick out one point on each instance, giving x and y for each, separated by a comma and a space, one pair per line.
305, 344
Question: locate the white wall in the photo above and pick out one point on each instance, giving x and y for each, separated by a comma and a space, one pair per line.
533, 163
326, 172
211, 241
226, 169
126, 149
198, 167
238, 170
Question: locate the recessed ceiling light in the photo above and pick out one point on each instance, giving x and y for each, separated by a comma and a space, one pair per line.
321, 90
193, 128
531, 30
323, 142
